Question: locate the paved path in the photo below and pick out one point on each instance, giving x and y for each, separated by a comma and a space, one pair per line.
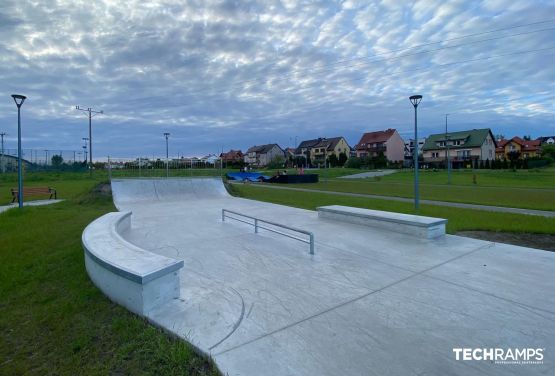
369, 174
501, 209
29, 203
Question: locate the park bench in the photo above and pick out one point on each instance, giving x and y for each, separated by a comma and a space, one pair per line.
34, 191
415, 225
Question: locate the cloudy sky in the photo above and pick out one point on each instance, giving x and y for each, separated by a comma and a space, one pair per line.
230, 74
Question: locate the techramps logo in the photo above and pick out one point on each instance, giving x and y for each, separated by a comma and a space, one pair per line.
516, 356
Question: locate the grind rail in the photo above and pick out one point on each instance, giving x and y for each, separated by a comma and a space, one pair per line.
257, 225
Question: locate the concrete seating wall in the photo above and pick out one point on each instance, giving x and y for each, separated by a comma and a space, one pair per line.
416, 225
131, 276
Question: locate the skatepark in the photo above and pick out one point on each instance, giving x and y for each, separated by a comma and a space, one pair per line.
380, 293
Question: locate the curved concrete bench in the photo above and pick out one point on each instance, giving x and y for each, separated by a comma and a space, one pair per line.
128, 275
416, 225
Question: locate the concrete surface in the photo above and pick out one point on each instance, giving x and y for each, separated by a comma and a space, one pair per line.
369, 174
370, 302
131, 276
3, 208
501, 209
415, 225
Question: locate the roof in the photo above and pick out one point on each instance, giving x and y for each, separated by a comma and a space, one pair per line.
262, 149
526, 145
232, 154
375, 137
473, 139
545, 138
328, 142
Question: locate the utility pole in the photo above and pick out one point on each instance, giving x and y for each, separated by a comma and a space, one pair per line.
91, 112
2, 160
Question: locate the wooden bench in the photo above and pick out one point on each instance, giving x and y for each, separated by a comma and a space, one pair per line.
34, 191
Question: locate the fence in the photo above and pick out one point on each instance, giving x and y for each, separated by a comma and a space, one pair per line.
155, 167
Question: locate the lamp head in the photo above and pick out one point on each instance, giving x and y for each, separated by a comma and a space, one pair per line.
18, 99
166, 134
415, 99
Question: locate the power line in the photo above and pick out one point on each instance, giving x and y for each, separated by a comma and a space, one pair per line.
325, 68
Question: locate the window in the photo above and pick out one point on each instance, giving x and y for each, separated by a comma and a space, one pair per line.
490, 152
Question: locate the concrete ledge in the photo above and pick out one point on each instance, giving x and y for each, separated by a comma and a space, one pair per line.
416, 225
128, 275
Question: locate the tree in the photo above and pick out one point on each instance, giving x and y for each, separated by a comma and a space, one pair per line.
499, 136
277, 162
57, 160
513, 157
342, 158
527, 138
353, 162
333, 161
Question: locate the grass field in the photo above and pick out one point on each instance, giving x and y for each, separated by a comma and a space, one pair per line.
53, 319
521, 189
459, 219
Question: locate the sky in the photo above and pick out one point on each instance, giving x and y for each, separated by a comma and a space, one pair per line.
232, 74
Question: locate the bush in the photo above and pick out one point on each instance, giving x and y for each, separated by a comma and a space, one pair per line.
353, 162
277, 162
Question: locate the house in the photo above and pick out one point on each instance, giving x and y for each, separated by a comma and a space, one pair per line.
548, 140
232, 156
409, 147
521, 148
388, 142
262, 155
465, 148
318, 150
210, 159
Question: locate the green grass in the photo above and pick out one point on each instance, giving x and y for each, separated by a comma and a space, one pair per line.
459, 219
534, 178
520, 189
53, 319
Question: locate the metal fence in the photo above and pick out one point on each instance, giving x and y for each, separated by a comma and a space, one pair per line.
158, 167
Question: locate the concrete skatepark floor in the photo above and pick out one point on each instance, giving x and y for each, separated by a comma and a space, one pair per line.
369, 301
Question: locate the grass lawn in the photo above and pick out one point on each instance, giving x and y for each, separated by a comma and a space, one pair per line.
54, 320
459, 219
520, 189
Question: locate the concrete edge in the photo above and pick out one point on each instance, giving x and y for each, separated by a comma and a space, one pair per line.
114, 231
438, 221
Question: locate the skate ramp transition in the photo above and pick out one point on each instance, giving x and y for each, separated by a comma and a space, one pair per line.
128, 191
260, 305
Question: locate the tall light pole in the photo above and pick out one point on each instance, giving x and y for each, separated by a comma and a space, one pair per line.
447, 157
166, 134
19, 99
415, 100
2, 160
91, 112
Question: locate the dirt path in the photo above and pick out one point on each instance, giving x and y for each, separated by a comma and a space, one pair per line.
540, 241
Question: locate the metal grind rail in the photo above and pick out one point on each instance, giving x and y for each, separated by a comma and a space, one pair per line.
257, 225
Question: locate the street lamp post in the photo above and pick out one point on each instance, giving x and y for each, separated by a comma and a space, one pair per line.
167, 156
2, 167
447, 156
415, 100
19, 99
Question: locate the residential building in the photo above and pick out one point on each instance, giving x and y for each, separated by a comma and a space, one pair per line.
547, 140
232, 156
409, 147
262, 155
210, 158
317, 151
465, 147
388, 142
521, 148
